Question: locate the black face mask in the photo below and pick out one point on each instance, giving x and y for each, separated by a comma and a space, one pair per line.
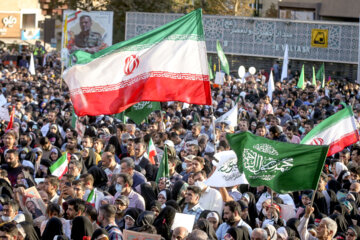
23, 143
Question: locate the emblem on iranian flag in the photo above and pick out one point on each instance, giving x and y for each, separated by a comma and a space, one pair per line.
131, 63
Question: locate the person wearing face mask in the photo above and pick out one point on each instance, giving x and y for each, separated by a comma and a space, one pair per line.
24, 141
106, 218
123, 186
211, 198
11, 212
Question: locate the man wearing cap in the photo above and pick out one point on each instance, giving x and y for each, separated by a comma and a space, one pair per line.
121, 204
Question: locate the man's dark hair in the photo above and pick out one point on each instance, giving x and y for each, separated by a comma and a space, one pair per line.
195, 189
44, 141
79, 205
85, 16
12, 151
9, 228
233, 206
121, 127
91, 211
127, 178
14, 205
53, 180
108, 210
310, 122
53, 208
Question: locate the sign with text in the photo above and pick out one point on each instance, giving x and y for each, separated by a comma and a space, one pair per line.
131, 235
10, 25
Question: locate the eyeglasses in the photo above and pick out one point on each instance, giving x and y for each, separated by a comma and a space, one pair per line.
351, 234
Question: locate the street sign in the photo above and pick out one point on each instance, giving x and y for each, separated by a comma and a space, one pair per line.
319, 38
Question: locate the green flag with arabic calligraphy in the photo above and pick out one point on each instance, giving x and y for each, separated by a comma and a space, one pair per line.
284, 167
139, 111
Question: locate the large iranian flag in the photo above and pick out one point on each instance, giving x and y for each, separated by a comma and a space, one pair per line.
338, 131
165, 64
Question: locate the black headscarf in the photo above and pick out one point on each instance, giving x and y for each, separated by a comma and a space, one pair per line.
53, 227
100, 178
174, 204
293, 223
81, 226
30, 231
205, 226
149, 193
90, 160
341, 223
239, 233
253, 214
176, 192
98, 232
334, 185
146, 217
164, 221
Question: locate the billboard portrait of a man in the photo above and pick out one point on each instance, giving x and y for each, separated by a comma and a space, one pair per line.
86, 31
87, 40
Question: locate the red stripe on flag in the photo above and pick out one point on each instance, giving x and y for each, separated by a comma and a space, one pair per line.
11, 122
62, 174
75, 17
343, 142
152, 157
158, 89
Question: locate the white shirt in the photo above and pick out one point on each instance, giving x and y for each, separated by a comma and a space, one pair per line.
212, 200
117, 170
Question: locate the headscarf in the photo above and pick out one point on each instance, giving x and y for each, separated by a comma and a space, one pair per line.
98, 232
205, 226
239, 233
178, 187
81, 226
30, 231
164, 221
253, 214
90, 160
356, 230
146, 217
339, 167
272, 231
149, 192
100, 177
53, 227
293, 223
282, 233
341, 223
133, 213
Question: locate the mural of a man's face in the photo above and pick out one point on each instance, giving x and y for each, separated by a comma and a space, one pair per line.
85, 24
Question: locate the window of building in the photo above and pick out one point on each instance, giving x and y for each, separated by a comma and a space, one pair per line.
28, 21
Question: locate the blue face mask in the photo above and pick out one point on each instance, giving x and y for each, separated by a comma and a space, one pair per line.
32, 91
118, 187
4, 89
25, 118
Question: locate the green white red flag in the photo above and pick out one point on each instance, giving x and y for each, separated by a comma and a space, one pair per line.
60, 167
92, 197
338, 131
165, 64
152, 152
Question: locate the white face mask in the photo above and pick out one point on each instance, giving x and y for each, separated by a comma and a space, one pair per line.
200, 184
87, 192
6, 218
183, 165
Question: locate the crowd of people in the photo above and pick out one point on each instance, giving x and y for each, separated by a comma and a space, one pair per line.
111, 186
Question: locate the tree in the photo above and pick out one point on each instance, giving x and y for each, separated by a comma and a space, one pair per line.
272, 12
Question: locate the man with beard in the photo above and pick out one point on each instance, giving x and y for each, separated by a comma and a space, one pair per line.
232, 218
106, 218
12, 166
121, 204
142, 161
9, 139
25, 141
76, 207
46, 147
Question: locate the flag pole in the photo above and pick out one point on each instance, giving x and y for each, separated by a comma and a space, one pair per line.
272, 200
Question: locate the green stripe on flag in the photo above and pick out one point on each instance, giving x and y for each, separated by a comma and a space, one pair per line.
91, 195
329, 122
58, 163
